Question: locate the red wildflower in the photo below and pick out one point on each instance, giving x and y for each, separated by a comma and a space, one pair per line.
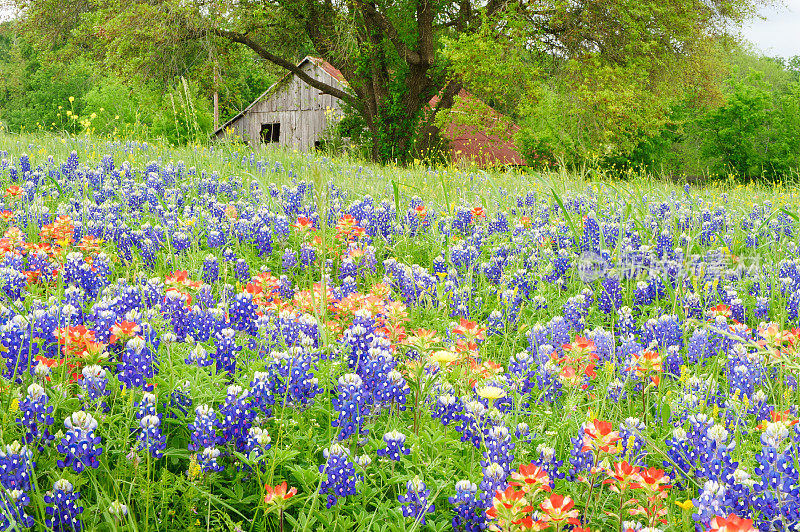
180, 279
303, 224
732, 523
510, 508
278, 494
478, 212
531, 478
558, 509
124, 331
647, 363
720, 310
13, 191
598, 436
623, 476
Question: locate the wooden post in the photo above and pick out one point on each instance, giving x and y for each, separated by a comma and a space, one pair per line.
216, 98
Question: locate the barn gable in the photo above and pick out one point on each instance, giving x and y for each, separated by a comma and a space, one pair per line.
290, 113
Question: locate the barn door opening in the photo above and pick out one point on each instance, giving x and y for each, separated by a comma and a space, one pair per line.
270, 133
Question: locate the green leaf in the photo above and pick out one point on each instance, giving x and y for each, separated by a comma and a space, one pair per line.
396, 199
576, 237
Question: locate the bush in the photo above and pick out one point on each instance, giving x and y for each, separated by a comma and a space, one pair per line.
757, 131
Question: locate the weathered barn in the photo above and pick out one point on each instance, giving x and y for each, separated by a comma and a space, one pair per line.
293, 114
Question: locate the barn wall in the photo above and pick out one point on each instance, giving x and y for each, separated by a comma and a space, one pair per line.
299, 108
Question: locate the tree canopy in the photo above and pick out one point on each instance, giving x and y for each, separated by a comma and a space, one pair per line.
612, 68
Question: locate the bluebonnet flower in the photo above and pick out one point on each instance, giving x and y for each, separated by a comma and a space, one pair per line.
704, 452
62, 509
204, 438
630, 432
385, 384
469, 514
548, 461
12, 281
307, 255
227, 351
475, 420
36, 417
580, 461
776, 497
237, 417
610, 298
340, 474
175, 308
180, 400
498, 449
395, 446
229, 255
762, 308
242, 313
16, 467
15, 337
80, 444
494, 479
292, 380
591, 233
523, 432
258, 443
447, 409
289, 259
261, 394
180, 241
204, 428
363, 461
94, 384
711, 502
242, 271
210, 269
139, 361
12, 510
351, 405
216, 239
149, 436
357, 338
199, 357
207, 460
415, 501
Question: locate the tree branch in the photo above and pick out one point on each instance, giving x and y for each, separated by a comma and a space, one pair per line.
383, 22
323, 87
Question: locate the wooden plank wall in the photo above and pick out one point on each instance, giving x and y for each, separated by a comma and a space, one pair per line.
296, 106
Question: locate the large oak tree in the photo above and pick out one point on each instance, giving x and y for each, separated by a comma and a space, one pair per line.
397, 54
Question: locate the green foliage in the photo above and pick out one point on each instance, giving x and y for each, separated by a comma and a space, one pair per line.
757, 131
41, 90
120, 109
183, 115
42, 99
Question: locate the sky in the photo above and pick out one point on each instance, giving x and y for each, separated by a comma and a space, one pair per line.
779, 34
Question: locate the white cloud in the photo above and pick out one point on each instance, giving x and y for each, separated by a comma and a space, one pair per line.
779, 33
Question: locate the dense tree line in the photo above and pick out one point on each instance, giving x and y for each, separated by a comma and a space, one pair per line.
43, 89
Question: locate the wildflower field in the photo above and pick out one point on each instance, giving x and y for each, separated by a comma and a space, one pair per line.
210, 339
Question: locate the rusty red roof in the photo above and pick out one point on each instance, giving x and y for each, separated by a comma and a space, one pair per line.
468, 142
330, 69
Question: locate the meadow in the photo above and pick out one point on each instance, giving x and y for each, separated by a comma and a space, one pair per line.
208, 338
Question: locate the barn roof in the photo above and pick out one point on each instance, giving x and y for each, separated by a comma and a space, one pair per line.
327, 67
472, 142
